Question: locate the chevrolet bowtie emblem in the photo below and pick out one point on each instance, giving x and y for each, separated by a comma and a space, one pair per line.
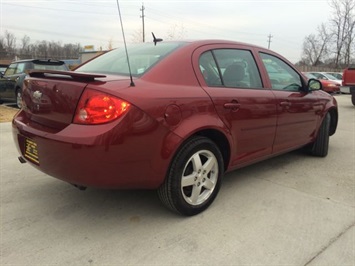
37, 95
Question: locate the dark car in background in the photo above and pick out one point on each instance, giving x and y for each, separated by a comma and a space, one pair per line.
176, 120
11, 81
2, 69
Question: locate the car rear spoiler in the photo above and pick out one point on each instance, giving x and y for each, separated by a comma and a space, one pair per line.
59, 74
48, 62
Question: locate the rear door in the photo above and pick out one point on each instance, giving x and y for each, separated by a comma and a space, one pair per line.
231, 78
298, 110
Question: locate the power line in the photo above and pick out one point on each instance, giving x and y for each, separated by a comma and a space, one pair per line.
59, 9
209, 27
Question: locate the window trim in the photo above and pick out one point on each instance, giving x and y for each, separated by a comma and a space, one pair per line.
252, 59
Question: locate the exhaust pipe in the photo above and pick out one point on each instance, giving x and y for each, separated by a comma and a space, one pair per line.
21, 159
82, 188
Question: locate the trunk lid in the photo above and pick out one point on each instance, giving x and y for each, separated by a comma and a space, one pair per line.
50, 97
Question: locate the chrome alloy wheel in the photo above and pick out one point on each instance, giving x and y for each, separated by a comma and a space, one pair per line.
199, 177
19, 99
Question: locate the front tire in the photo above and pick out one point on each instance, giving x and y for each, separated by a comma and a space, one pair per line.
353, 98
320, 146
194, 177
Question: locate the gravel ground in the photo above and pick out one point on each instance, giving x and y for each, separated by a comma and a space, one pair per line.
7, 113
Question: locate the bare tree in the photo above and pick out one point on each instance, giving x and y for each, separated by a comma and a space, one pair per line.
137, 36
2, 48
25, 43
349, 41
41, 49
176, 32
315, 47
10, 42
71, 51
342, 23
309, 52
110, 44
56, 50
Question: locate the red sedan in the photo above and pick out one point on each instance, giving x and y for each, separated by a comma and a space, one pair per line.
329, 86
175, 119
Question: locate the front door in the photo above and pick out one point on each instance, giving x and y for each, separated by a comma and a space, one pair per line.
297, 110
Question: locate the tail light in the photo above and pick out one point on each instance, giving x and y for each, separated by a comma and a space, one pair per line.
97, 108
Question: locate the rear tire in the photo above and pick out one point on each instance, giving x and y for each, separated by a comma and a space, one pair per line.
353, 98
320, 146
194, 177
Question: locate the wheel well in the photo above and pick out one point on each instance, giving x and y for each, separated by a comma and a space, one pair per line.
333, 121
18, 88
220, 140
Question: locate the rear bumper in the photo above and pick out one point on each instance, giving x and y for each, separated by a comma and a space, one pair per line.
332, 89
348, 89
122, 154
345, 89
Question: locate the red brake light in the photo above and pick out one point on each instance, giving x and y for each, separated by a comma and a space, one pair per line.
97, 108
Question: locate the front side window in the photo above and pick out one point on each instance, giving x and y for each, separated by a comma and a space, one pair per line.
10, 70
320, 76
233, 68
281, 75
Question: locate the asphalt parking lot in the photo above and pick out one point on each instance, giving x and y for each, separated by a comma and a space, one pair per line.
290, 210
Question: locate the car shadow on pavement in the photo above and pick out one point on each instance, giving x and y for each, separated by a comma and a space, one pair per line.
92, 204
67, 202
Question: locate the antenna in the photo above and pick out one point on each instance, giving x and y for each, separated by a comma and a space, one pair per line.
155, 40
125, 45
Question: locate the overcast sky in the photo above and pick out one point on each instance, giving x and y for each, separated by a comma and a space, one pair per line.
96, 22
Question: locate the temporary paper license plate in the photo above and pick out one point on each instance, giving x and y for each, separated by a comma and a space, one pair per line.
31, 151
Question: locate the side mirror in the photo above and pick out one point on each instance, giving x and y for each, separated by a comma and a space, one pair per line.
314, 85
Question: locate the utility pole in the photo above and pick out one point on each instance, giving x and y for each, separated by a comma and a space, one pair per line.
142, 16
269, 40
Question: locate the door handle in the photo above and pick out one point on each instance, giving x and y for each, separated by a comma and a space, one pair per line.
233, 106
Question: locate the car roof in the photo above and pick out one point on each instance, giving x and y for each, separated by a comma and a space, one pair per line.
216, 41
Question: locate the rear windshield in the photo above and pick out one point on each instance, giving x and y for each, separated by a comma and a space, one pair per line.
50, 66
141, 57
23, 66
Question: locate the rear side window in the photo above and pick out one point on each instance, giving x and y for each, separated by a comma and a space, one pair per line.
281, 75
233, 68
20, 68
